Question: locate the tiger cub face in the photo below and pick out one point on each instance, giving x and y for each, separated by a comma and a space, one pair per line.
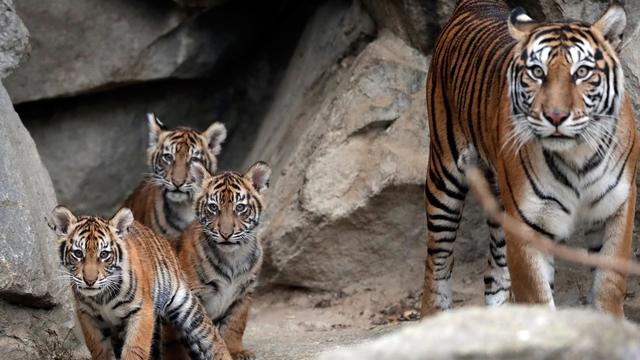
171, 153
229, 205
91, 248
566, 81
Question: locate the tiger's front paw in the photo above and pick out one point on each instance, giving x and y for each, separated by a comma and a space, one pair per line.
243, 355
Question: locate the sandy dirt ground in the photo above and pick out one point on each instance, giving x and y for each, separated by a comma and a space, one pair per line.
295, 324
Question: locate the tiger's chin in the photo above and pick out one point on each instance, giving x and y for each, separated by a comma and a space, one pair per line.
87, 291
559, 143
177, 196
227, 246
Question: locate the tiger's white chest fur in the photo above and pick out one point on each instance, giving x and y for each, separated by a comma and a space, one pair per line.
229, 280
172, 216
217, 300
585, 200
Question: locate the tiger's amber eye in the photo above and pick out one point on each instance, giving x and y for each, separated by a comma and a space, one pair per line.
537, 72
582, 71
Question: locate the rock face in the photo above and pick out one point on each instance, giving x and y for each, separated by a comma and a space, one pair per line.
94, 144
348, 155
14, 39
35, 308
26, 197
349, 151
416, 22
96, 45
507, 332
28, 263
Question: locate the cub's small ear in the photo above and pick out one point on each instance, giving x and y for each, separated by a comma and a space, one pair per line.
198, 174
155, 128
611, 24
122, 220
259, 174
215, 135
520, 24
62, 220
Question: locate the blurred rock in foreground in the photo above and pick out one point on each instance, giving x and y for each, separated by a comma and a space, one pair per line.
509, 332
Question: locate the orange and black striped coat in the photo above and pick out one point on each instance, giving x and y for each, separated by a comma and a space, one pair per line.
126, 281
542, 107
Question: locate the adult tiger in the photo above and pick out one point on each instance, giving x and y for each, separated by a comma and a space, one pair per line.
163, 201
125, 279
542, 107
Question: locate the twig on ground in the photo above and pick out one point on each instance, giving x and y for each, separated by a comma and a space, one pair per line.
480, 187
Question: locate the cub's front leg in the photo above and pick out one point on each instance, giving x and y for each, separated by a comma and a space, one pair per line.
232, 329
96, 338
139, 333
609, 287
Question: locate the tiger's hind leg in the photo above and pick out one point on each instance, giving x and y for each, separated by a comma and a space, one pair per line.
444, 199
497, 282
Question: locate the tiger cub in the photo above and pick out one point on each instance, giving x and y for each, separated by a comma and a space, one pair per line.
163, 200
125, 280
220, 253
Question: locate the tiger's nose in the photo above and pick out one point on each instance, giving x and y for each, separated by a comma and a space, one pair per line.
225, 235
90, 281
178, 183
556, 117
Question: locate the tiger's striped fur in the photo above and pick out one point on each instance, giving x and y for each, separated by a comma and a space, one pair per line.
163, 200
125, 280
541, 106
220, 253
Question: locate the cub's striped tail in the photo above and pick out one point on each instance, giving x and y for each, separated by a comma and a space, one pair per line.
199, 336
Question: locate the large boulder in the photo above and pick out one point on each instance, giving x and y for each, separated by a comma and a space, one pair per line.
351, 172
508, 332
26, 198
333, 122
35, 307
347, 139
86, 46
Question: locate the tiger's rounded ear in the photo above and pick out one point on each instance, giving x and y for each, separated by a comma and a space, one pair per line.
155, 128
520, 24
198, 174
215, 136
259, 174
122, 220
612, 25
62, 219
